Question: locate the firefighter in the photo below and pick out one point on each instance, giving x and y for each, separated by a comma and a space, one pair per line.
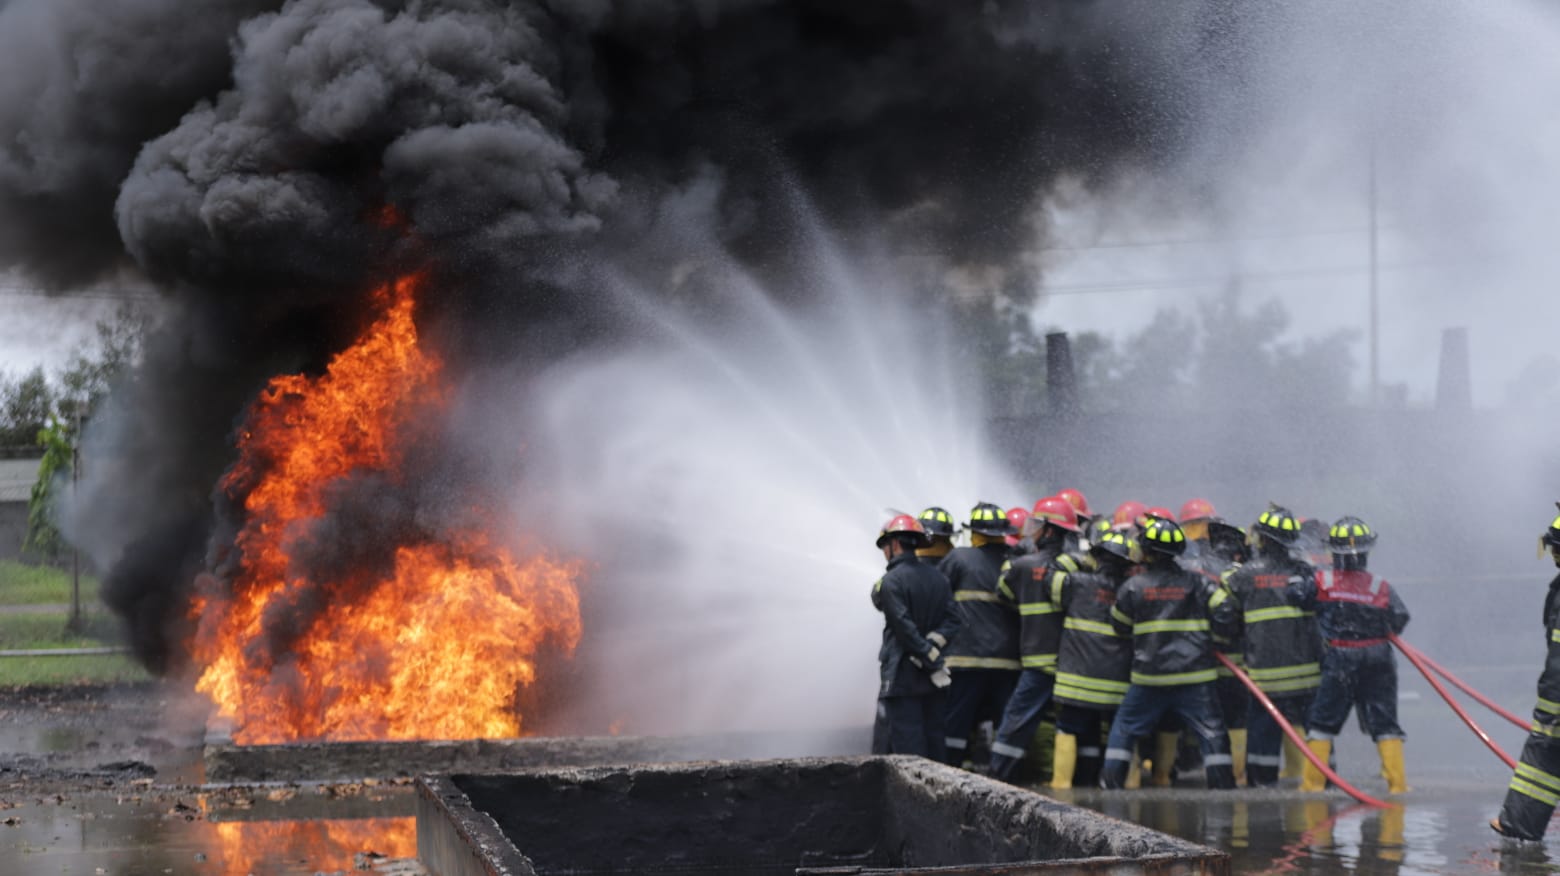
1170, 615
919, 620
1225, 551
1194, 517
1128, 514
1535, 787
1079, 541
1355, 613
938, 524
1078, 502
984, 660
1026, 580
1017, 544
1094, 666
1281, 648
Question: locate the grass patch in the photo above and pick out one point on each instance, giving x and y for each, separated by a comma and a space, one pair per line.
48, 631
25, 584
37, 631
94, 669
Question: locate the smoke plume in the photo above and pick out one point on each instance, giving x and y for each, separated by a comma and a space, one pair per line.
267, 163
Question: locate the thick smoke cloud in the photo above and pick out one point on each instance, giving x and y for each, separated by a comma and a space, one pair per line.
267, 163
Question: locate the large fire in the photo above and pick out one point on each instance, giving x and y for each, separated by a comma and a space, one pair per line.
432, 643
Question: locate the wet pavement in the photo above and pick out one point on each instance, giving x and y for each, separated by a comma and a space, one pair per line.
109, 781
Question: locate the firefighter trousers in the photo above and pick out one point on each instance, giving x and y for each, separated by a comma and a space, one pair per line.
1265, 739
911, 725
1364, 679
1535, 786
1089, 726
1025, 708
975, 695
1198, 707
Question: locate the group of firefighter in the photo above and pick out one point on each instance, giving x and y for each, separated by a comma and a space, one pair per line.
1134, 626
1126, 632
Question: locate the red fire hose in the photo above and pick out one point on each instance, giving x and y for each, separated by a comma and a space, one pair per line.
1413, 657
1295, 737
1459, 683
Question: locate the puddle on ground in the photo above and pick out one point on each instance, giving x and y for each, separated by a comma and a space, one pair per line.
221, 832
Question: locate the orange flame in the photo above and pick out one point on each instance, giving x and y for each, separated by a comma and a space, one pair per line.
246, 846
432, 644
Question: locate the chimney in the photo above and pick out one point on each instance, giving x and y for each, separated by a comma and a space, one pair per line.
1060, 383
1454, 387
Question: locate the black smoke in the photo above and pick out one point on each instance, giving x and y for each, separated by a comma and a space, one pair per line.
265, 163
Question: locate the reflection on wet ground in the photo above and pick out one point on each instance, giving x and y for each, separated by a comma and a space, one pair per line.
1438, 831
266, 830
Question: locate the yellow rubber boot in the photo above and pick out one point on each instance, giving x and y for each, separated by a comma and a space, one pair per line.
1390, 838
1064, 759
1134, 773
1294, 761
1165, 747
1392, 765
1311, 778
1238, 755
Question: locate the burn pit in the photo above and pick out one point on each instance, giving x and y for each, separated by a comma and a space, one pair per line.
813, 816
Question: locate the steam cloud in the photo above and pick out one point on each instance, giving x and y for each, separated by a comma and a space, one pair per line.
245, 159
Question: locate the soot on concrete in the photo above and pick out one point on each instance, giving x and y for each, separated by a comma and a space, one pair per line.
810, 816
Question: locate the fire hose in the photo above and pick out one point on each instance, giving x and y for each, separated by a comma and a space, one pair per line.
1459, 683
1297, 739
1414, 658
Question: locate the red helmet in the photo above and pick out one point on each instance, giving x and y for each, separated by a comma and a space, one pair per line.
1058, 511
1074, 498
1161, 512
903, 523
1017, 516
1127, 514
1197, 509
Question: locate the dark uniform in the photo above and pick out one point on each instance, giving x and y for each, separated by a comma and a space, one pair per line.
1535, 786
1170, 614
1355, 613
1215, 562
916, 603
1094, 667
1281, 652
1026, 581
984, 659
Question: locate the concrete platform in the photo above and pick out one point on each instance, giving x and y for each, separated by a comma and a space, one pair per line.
813, 816
346, 761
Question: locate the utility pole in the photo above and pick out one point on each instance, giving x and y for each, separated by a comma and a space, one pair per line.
76, 623
1375, 306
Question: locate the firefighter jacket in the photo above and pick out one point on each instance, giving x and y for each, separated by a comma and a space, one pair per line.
1354, 609
1095, 663
1026, 582
1546, 715
1171, 615
916, 603
1283, 655
989, 637
1217, 569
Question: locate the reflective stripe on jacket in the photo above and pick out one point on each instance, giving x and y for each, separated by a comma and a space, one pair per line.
1095, 664
989, 636
1170, 614
1026, 580
1283, 654
1547, 712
